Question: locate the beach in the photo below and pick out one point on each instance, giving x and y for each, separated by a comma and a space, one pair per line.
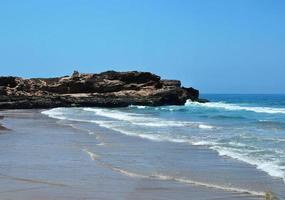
46, 158
142, 100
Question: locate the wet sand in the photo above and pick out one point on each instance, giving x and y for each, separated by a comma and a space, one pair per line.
43, 158
3, 128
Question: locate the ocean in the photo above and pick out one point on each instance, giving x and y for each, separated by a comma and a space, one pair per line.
247, 130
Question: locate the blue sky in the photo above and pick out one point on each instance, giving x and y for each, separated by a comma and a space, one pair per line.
217, 46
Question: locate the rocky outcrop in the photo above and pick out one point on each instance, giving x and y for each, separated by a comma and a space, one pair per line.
107, 89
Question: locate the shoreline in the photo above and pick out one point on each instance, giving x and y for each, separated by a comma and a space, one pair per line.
100, 142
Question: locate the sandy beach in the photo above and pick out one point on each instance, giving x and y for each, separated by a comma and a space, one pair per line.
44, 158
142, 100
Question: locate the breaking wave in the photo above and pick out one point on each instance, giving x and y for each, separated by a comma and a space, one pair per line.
236, 107
144, 120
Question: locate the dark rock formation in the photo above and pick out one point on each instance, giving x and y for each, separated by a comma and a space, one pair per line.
107, 89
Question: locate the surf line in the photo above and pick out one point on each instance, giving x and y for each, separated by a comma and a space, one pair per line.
96, 157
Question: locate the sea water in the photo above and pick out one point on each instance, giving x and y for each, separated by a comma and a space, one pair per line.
247, 128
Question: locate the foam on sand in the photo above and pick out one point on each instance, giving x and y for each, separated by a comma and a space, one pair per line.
92, 155
188, 181
162, 177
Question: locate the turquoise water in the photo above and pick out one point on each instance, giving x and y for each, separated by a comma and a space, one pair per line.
248, 128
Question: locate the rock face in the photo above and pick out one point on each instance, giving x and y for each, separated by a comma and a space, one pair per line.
107, 89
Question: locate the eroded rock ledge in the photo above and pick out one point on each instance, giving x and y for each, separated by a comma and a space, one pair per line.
107, 89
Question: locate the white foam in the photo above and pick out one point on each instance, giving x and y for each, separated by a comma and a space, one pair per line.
236, 107
209, 185
136, 106
153, 137
262, 138
158, 124
101, 144
92, 155
124, 116
203, 126
203, 143
58, 113
169, 108
144, 120
268, 166
187, 181
54, 113
133, 118
127, 173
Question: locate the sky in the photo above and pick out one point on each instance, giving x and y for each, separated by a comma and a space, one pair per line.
216, 46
